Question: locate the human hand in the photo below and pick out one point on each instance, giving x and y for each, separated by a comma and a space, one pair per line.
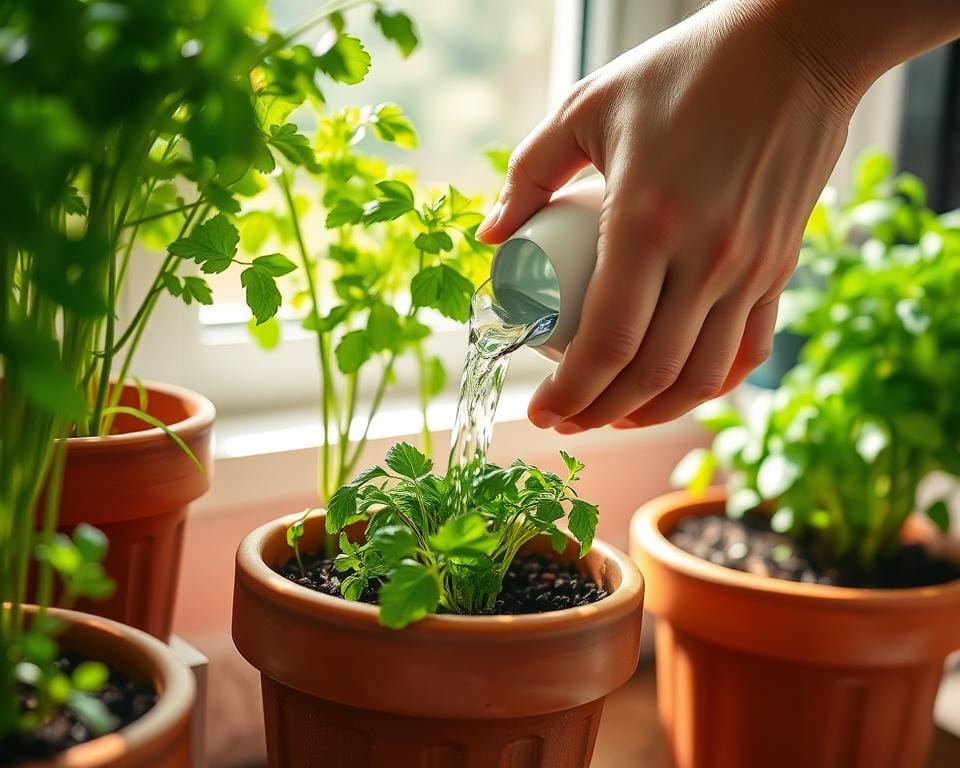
715, 139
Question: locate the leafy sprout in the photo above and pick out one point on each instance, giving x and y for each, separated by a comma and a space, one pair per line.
838, 451
423, 557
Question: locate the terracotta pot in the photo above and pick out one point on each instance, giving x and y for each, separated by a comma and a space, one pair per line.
448, 691
159, 739
136, 486
755, 672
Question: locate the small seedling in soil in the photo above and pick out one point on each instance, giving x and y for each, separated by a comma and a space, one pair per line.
417, 556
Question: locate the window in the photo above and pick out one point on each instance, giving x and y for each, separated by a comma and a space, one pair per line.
485, 72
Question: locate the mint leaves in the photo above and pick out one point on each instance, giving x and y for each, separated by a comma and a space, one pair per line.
422, 556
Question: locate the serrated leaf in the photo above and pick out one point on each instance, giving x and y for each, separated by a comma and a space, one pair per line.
197, 289
212, 245
394, 542
346, 61
385, 210
397, 27
263, 296
444, 289
407, 461
394, 189
353, 351
344, 212
463, 535
583, 523
411, 592
371, 473
172, 284
433, 242
390, 124
341, 508
293, 145
276, 264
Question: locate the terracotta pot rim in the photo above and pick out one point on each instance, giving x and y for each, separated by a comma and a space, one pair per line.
201, 419
260, 576
175, 695
647, 530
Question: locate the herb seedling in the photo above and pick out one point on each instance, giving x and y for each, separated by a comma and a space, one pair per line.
426, 558
838, 451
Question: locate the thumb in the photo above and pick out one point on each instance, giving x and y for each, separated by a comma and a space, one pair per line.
540, 165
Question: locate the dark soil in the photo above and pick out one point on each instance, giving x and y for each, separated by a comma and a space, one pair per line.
749, 545
533, 584
128, 700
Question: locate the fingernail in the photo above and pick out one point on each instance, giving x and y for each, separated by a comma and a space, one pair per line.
568, 428
490, 219
624, 424
545, 419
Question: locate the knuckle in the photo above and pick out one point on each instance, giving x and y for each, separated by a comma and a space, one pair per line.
710, 386
660, 375
617, 346
757, 355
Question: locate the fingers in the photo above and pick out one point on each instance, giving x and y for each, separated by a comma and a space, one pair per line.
617, 308
540, 165
756, 343
750, 342
661, 359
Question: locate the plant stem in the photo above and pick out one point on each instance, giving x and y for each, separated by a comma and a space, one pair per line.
163, 214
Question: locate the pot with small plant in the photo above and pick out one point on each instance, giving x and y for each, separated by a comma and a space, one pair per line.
147, 124
805, 612
477, 638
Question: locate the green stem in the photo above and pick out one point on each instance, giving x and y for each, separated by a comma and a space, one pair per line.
162, 214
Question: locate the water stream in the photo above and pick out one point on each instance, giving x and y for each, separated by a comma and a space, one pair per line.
494, 334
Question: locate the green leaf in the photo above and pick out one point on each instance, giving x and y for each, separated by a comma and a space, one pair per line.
394, 189
263, 296
694, 471
387, 209
90, 676
394, 542
433, 242
171, 283
352, 587
919, 428
583, 523
559, 541
266, 334
548, 511
346, 61
390, 124
293, 145
574, 466
776, 475
153, 421
873, 168
383, 328
197, 289
344, 212
499, 158
742, 501
407, 461
370, 473
91, 543
341, 508
398, 28
444, 289
93, 713
433, 378
276, 264
463, 535
353, 351
411, 592
213, 245
939, 513
73, 203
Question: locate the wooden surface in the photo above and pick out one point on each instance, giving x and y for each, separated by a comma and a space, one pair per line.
630, 734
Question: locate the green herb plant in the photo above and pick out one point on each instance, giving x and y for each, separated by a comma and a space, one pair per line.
421, 556
377, 255
839, 450
124, 123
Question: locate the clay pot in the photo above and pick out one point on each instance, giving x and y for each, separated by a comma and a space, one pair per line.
159, 739
754, 672
446, 692
135, 486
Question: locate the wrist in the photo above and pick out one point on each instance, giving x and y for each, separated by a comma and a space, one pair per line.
837, 59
